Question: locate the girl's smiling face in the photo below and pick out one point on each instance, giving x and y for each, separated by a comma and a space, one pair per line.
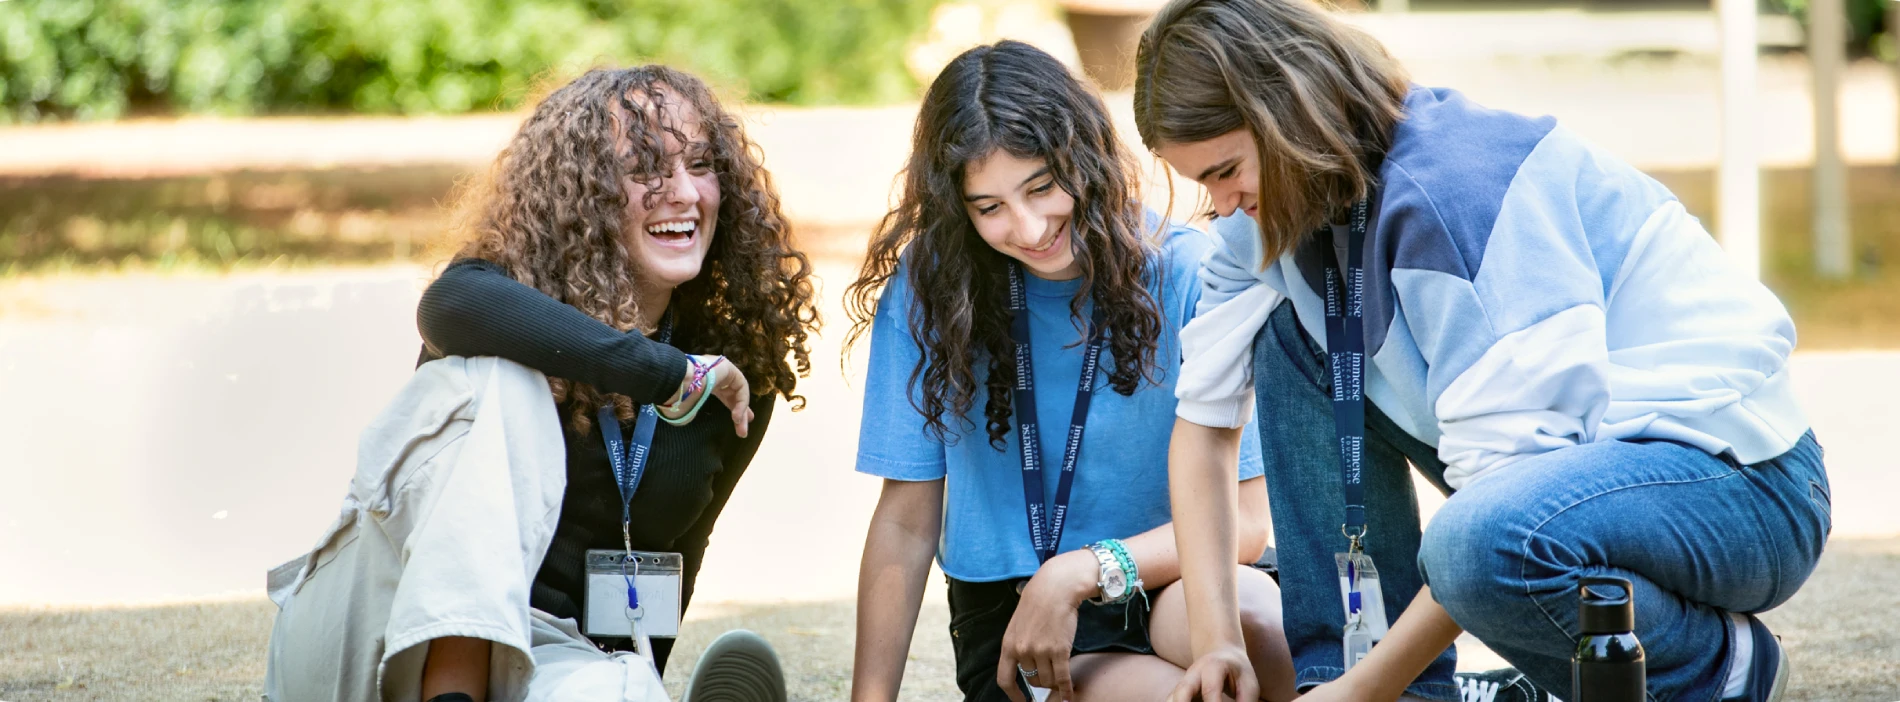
1227, 165
1018, 210
672, 215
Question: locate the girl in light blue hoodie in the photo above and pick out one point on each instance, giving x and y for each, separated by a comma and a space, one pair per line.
1538, 327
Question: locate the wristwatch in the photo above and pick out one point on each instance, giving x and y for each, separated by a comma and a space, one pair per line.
1112, 581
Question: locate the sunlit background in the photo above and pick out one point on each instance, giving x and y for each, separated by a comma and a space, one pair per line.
216, 217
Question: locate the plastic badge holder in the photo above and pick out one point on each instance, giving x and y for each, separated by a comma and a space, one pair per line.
657, 578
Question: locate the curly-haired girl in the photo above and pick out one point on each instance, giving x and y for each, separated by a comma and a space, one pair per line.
1016, 260
628, 224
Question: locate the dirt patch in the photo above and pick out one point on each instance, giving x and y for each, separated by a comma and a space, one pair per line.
205, 652
1842, 633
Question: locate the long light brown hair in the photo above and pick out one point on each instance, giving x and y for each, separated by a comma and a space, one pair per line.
1013, 97
552, 212
1320, 98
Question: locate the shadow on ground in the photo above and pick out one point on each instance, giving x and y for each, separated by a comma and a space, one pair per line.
1842, 630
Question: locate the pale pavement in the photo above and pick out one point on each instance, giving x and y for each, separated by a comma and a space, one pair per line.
170, 437
173, 437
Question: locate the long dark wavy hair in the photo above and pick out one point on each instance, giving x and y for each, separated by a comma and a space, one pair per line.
1009, 96
552, 211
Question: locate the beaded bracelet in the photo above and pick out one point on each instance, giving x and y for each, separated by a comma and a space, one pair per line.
1135, 586
1130, 574
1128, 561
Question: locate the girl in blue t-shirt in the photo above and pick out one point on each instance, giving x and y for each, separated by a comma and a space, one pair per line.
1017, 291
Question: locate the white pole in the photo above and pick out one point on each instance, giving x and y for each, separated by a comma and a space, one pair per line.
1827, 51
1738, 175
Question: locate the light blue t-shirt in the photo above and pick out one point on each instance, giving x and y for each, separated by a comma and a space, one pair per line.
1121, 476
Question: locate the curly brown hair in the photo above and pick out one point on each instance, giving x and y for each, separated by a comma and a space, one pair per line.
1013, 97
552, 210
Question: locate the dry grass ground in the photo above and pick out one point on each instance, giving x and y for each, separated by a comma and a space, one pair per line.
1858, 312
275, 221
1843, 631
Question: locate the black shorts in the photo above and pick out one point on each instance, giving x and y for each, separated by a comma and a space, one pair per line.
980, 613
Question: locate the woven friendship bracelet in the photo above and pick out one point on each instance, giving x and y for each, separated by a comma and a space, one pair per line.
704, 376
700, 372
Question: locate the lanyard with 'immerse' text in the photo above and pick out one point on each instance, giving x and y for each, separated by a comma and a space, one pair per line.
1346, 353
629, 459
1046, 520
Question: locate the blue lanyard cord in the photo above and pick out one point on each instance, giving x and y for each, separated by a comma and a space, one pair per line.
1346, 353
1046, 521
629, 459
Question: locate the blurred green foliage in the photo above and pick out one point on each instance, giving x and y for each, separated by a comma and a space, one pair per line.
1866, 22
99, 59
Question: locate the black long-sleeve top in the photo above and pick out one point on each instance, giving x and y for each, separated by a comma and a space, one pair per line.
476, 309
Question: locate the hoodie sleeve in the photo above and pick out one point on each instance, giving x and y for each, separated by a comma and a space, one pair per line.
1215, 387
1511, 323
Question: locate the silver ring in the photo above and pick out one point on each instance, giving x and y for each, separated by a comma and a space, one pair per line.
1027, 672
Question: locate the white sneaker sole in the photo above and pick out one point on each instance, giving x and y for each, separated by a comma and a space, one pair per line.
1780, 687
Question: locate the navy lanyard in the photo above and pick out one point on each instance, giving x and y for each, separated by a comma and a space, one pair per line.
1346, 353
1045, 520
629, 459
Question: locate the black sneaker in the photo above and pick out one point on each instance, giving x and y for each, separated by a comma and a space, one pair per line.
1501, 685
739, 666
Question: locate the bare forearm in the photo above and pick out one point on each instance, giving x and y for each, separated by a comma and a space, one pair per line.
1204, 498
1416, 639
891, 580
1158, 560
456, 664
890, 591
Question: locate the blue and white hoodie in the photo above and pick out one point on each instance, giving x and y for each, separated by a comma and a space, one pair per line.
1525, 292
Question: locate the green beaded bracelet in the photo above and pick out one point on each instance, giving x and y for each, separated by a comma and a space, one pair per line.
1128, 561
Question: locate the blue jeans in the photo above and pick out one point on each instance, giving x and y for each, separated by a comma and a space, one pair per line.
1697, 535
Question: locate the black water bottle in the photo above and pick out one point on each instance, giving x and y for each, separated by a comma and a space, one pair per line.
1608, 666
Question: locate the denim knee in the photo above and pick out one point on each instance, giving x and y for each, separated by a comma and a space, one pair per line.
1463, 556
1282, 343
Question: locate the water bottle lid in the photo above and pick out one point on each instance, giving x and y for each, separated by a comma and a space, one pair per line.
1605, 606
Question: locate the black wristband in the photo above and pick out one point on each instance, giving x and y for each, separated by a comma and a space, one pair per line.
452, 697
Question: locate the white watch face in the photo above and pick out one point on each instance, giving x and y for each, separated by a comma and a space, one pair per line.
1114, 585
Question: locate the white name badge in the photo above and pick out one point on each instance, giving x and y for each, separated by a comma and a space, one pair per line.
656, 577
